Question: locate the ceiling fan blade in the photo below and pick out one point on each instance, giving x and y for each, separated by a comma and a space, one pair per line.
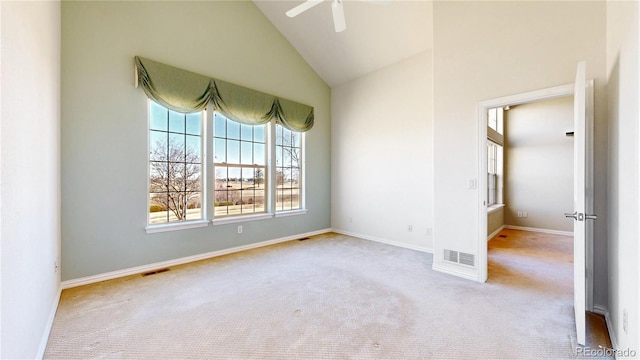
303, 7
339, 21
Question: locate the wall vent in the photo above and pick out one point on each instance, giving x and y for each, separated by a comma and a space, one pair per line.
467, 259
459, 257
451, 255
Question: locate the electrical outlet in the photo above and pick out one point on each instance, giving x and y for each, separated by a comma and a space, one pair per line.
472, 184
410, 228
519, 213
429, 232
56, 266
625, 321
239, 229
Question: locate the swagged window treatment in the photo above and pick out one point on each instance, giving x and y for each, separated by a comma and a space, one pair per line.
186, 92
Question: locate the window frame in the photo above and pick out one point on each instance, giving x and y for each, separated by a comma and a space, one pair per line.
492, 161
495, 137
497, 165
180, 224
301, 174
207, 167
496, 115
239, 165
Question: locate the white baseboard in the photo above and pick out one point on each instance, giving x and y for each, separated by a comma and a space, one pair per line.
385, 241
455, 272
49, 325
599, 309
184, 260
493, 234
546, 231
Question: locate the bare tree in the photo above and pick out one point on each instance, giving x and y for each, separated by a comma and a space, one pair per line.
279, 177
175, 177
291, 151
258, 177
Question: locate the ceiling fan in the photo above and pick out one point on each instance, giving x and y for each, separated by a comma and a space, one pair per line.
337, 8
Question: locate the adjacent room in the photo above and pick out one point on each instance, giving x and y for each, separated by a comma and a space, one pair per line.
316, 179
530, 167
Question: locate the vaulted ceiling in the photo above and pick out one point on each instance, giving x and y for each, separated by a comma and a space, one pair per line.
379, 33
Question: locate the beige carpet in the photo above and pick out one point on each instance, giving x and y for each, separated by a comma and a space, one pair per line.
329, 297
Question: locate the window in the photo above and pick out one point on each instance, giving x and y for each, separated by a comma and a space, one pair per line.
495, 156
288, 169
175, 165
496, 119
494, 173
240, 181
240, 167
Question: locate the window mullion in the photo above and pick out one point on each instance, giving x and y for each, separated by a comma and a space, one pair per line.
271, 166
207, 164
301, 174
168, 180
248, 166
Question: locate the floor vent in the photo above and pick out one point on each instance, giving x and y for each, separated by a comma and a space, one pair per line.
502, 236
459, 257
155, 272
304, 238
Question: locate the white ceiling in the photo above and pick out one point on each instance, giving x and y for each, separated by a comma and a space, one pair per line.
378, 34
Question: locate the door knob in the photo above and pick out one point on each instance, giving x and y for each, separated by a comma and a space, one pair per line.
580, 216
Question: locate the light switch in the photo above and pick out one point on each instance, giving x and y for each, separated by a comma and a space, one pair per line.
473, 184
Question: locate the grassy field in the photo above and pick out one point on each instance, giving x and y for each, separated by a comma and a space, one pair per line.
160, 217
245, 198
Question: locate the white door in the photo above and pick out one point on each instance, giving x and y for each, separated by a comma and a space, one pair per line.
579, 202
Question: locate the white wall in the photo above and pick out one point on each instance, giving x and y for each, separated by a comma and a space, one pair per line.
486, 50
381, 154
495, 220
30, 174
623, 78
104, 123
539, 164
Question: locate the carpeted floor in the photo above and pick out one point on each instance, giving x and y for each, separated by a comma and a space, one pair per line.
329, 297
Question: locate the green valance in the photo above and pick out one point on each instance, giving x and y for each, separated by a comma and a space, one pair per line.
186, 92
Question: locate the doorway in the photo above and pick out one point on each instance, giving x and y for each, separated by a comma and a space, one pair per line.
530, 167
526, 98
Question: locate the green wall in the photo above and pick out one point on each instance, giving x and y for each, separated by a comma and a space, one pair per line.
104, 123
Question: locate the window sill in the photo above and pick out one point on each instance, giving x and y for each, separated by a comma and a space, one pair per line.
152, 229
494, 208
291, 213
237, 219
